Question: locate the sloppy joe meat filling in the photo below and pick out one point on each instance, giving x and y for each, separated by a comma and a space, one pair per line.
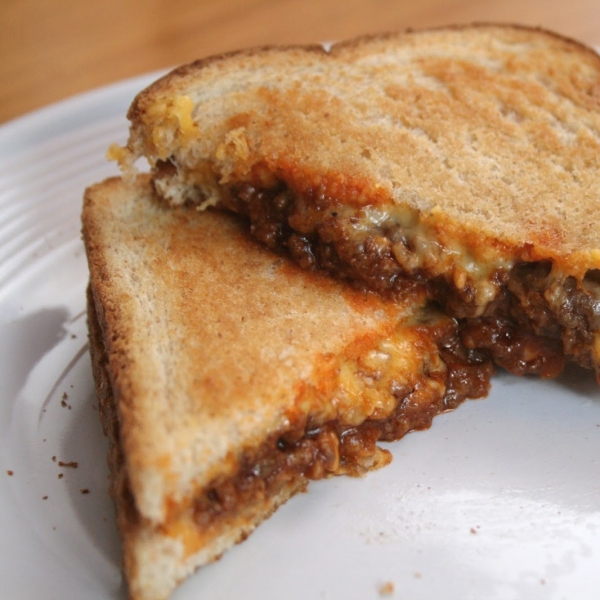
334, 448
520, 329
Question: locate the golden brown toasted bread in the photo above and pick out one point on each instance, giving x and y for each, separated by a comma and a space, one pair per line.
468, 157
228, 377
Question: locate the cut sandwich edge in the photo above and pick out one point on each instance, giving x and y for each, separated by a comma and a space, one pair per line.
198, 529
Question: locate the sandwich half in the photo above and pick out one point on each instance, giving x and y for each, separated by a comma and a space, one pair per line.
228, 377
465, 157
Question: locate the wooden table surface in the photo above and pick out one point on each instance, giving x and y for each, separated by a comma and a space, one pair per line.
52, 49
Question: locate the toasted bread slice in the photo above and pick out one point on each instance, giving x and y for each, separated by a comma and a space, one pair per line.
228, 377
467, 156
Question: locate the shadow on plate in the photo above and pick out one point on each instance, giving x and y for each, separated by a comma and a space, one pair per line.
580, 380
27, 341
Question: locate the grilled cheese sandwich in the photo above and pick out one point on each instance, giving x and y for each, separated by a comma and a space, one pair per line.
228, 377
464, 157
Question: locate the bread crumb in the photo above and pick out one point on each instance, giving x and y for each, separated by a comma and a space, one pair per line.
60, 475
64, 402
387, 589
10, 473
84, 491
473, 530
418, 575
72, 464
44, 497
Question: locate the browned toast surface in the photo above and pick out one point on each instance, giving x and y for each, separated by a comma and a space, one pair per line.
483, 123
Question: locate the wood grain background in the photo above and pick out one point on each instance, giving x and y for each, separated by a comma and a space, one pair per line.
52, 49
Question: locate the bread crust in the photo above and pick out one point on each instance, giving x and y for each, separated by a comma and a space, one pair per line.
153, 563
170, 81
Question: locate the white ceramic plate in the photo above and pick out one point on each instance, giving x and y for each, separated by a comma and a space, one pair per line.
498, 500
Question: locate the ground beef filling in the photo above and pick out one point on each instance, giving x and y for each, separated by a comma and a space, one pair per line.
334, 448
521, 329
